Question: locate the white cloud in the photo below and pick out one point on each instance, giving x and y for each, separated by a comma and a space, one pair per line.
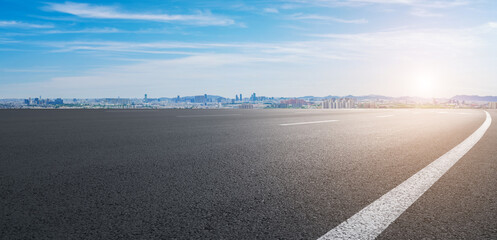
420, 8
178, 48
7, 41
17, 24
492, 25
271, 10
394, 43
410, 42
376, 62
420, 12
86, 30
84, 10
300, 16
167, 77
415, 3
31, 70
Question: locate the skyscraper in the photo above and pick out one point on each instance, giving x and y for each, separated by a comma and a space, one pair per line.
253, 97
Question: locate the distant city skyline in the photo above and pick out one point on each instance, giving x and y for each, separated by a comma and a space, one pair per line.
97, 49
253, 95
207, 101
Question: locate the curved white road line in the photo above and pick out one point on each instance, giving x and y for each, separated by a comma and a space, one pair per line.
373, 219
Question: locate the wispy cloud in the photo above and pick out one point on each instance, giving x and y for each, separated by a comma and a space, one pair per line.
7, 41
271, 10
412, 43
419, 8
400, 52
265, 51
492, 25
166, 76
17, 24
396, 44
31, 70
86, 30
300, 16
177, 48
420, 12
415, 3
84, 10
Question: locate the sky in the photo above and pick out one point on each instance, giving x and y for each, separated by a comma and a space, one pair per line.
91, 49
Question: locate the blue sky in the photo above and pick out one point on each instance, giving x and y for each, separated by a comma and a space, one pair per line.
426, 48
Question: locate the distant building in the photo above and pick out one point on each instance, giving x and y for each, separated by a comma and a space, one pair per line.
492, 105
338, 103
200, 99
253, 98
246, 106
368, 104
294, 103
43, 102
58, 101
117, 101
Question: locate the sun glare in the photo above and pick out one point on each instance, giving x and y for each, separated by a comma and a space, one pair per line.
424, 86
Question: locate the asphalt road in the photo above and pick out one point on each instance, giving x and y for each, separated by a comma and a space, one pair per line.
237, 174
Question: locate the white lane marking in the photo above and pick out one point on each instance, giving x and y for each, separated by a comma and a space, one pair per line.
443, 112
208, 115
302, 123
373, 219
463, 113
384, 116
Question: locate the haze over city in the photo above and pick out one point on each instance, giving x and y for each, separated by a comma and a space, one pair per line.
275, 48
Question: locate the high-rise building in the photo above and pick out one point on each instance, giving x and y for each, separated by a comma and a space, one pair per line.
241, 98
145, 99
199, 99
338, 103
253, 97
58, 101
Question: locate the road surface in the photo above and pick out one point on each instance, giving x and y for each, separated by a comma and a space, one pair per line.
238, 174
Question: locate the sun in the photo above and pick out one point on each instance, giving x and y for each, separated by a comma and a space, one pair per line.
424, 86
